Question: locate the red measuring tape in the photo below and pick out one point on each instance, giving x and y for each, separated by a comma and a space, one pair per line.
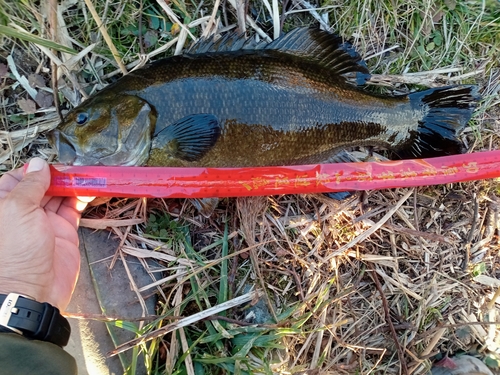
236, 182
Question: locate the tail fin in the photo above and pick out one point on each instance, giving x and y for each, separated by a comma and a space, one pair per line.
449, 109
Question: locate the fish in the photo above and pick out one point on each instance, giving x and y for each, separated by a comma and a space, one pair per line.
235, 102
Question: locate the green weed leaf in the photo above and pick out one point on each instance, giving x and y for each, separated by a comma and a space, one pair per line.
13, 33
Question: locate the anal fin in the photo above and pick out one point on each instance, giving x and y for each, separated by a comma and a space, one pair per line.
340, 195
205, 206
343, 156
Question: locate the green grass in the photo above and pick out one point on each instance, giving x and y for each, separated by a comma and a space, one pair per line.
214, 346
430, 35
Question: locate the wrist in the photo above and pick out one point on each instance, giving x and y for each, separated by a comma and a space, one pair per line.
8, 285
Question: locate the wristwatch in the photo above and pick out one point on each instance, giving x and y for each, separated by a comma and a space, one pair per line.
32, 319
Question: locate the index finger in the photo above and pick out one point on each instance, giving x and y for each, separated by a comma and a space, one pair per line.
9, 181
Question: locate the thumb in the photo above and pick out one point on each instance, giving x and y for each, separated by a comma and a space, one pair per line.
31, 189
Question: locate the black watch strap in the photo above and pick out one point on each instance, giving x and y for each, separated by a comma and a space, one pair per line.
35, 320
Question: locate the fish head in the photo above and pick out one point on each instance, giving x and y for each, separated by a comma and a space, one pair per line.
106, 130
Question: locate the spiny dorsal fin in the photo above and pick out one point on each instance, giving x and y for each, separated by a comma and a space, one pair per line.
328, 49
229, 42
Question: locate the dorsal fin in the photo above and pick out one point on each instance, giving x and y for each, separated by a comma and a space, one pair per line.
328, 49
229, 42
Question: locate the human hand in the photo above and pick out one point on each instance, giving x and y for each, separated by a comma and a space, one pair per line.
39, 254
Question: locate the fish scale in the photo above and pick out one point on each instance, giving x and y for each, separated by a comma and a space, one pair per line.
189, 88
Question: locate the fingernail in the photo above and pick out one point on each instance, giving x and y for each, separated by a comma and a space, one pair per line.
35, 165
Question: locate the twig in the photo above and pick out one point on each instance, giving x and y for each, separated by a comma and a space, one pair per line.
188, 360
53, 32
174, 18
23, 81
232, 276
283, 13
190, 320
106, 36
240, 12
276, 20
297, 282
306, 5
255, 262
404, 368
112, 318
493, 300
435, 339
240, 323
471, 233
252, 23
108, 223
433, 78
125, 235
415, 211
211, 22
142, 61
416, 233
425, 334
141, 46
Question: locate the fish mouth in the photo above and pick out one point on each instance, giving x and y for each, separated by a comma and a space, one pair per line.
65, 149
135, 154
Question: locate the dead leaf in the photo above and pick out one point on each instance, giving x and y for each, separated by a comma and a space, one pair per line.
98, 201
107, 223
150, 38
36, 80
4, 72
438, 16
175, 29
27, 105
451, 4
44, 99
446, 362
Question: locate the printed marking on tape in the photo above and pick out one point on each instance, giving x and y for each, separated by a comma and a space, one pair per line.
94, 182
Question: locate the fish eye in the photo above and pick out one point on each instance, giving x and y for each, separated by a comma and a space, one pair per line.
82, 118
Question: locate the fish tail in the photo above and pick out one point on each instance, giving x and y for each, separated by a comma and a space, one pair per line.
449, 109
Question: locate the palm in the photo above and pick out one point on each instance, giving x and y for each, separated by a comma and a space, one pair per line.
40, 242
62, 265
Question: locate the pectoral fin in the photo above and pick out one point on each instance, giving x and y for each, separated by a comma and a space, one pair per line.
189, 138
206, 206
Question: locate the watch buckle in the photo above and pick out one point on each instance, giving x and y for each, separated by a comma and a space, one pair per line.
8, 309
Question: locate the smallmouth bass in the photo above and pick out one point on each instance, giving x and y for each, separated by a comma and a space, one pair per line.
226, 103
